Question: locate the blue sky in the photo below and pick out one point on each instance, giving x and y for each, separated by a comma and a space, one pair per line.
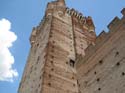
25, 14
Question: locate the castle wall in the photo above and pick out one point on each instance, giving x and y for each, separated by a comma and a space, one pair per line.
33, 72
102, 70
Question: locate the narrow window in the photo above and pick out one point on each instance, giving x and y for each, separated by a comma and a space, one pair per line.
117, 53
38, 60
95, 72
72, 63
123, 73
118, 64
40, 77
51, 62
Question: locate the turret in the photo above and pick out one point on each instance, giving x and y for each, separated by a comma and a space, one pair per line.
53, 6
61, 2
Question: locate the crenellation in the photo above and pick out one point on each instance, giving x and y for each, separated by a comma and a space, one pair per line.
103, 37
103, 63
76, 14
113, 23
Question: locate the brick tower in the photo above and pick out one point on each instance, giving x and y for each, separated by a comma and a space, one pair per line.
62, 35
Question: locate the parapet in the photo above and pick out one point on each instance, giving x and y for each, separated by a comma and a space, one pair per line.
81, 18
114, 22
60, 6
114, 26
73, 12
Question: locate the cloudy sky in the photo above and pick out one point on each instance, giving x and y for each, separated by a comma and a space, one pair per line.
18, 17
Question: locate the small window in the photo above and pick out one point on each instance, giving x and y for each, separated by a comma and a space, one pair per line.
72, 63
49, 84
117, 53
74, 85
52, 46
38, 60
118, 64
101, 61
51, 62
37, 45
51, 35
99, 89
95, 72
86, 83
73, 78
52, 69
40, 77
123, 73
52, 56
78, 83
50, 76
66, 62
98, 79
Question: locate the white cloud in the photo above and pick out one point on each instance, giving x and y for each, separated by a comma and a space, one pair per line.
7, 37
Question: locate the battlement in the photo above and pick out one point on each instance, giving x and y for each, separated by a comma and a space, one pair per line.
113, 23
59, 6
37, 30
74, 13
114, 26
81, 18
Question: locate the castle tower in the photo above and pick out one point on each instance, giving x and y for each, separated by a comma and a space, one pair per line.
55, 43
